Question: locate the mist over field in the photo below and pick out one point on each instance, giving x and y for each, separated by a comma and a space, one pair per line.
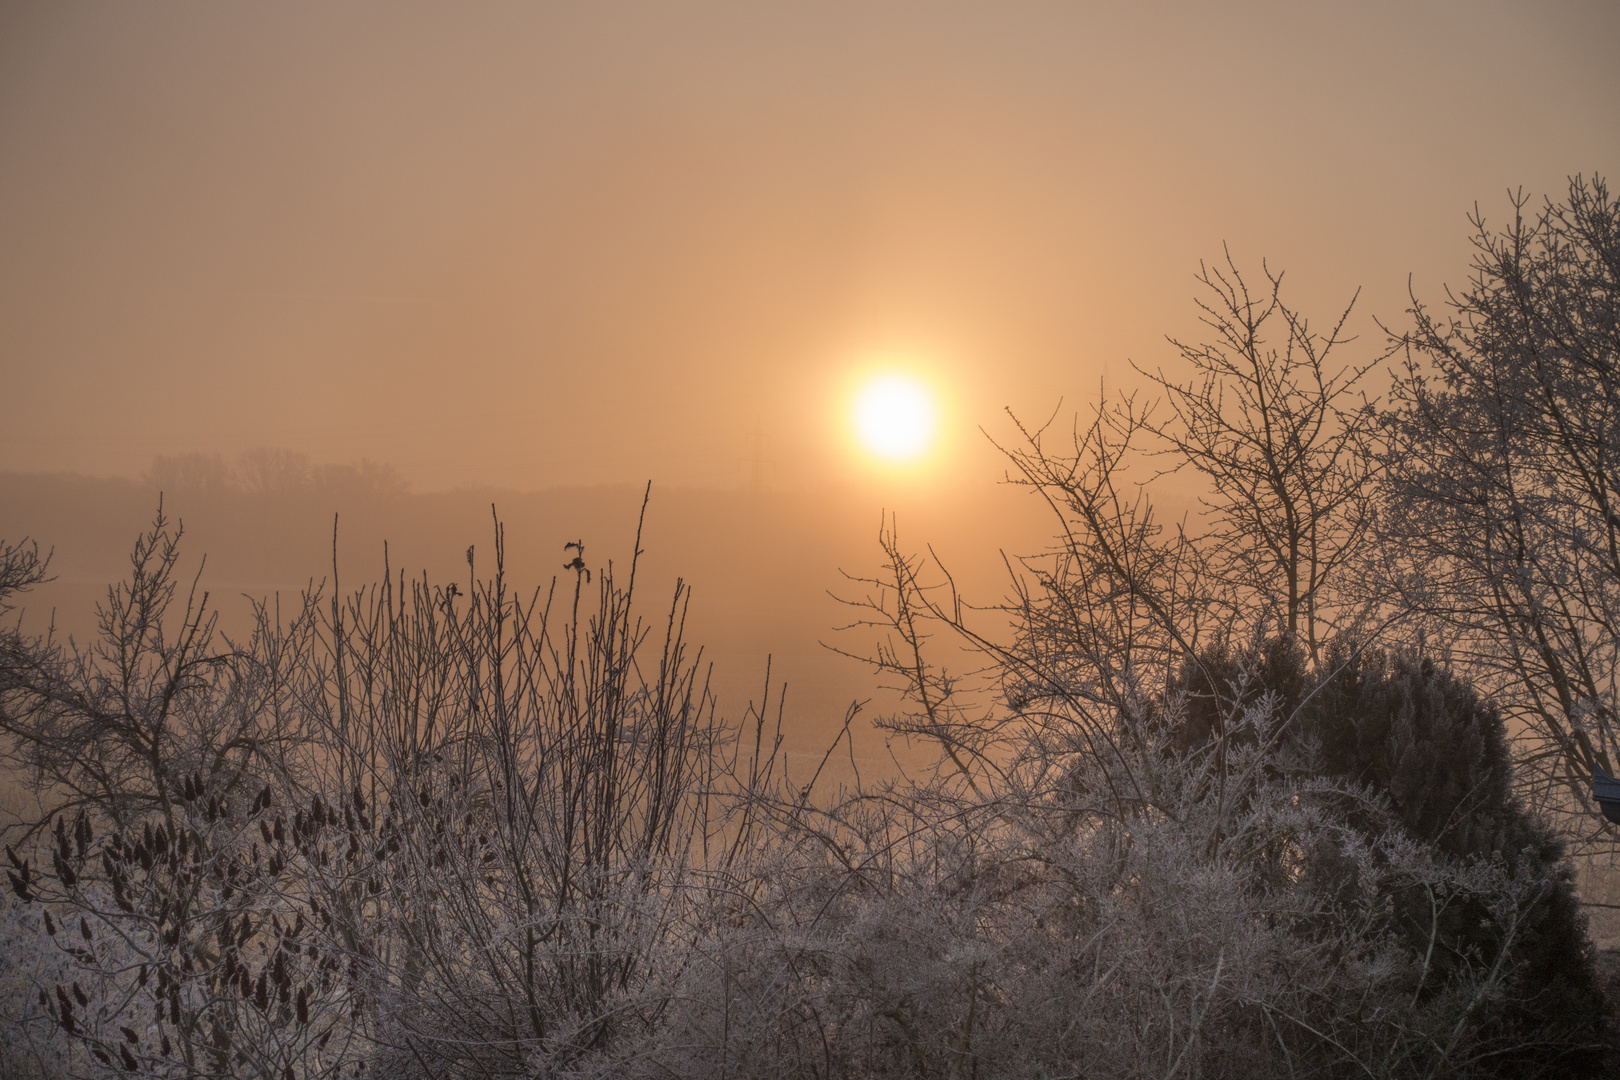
764, 567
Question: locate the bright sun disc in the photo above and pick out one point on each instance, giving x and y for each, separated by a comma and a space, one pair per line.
894, 418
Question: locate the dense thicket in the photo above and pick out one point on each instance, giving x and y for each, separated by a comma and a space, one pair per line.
424, 831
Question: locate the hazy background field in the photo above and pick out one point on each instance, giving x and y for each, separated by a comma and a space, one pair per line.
761, 565
539, 254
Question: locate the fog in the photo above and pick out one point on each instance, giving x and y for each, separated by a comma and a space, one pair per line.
538, 255
765, 569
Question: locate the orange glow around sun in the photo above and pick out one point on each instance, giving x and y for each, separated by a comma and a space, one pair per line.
895, 418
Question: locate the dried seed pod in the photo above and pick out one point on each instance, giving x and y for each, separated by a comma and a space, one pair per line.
129, 1034
130, 1064
79, 995
261, 993
84, 927
166, 1048
50, 925
302, 1005
20, 887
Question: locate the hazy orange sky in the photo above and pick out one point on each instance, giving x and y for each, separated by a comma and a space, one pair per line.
538, 243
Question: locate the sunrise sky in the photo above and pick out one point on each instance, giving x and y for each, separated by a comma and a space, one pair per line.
533, 244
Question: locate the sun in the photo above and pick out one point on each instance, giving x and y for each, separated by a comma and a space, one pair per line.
894, 418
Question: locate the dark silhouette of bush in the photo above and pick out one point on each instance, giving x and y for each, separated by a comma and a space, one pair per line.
1430, 758
1426, 742
1222, 683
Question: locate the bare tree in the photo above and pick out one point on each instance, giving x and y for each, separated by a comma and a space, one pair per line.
1504, 481
1275, 424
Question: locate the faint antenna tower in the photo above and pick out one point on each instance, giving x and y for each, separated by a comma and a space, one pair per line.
756, 441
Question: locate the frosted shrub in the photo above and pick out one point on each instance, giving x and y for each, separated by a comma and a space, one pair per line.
28, 1046
1019, 939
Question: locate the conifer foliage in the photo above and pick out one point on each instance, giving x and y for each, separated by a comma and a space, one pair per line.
1426, 758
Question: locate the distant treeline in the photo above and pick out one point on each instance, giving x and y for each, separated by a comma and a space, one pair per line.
267, 470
